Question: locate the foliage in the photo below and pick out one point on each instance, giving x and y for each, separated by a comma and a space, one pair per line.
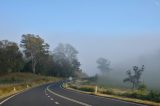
142, 87
87, 89
106, 91
65, 59
37, 58
103, 65
83, 88
34, 48
154, 96
10, 57
134, 78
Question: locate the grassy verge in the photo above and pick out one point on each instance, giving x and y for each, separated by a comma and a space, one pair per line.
16, 82
120, 94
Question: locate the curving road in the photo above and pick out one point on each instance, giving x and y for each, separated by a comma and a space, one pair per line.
53, 95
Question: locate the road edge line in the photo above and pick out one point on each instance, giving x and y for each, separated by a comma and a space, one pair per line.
9, 98
70, 99
100, 96
24, 90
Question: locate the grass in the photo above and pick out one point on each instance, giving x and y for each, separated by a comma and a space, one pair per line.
83, 88
16, 82
136, 96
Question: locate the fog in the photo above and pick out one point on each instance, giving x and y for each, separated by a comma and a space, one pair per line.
123, 52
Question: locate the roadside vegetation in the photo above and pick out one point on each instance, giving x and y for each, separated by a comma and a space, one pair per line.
136, 91
140, 95
15, 82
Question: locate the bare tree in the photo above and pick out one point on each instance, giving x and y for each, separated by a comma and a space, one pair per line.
135, 76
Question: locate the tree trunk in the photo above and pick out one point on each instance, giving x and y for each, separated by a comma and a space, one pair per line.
33, 67
133, 85
33, 64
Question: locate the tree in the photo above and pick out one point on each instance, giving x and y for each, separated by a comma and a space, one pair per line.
11, 59
135, 76
34, 48
65, 58
45, 64
103, 65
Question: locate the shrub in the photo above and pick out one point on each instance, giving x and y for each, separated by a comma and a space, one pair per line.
72, 86
142, 87
107, 91
87, 88
136, 94
154, 96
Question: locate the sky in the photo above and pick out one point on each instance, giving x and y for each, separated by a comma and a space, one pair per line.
115, 29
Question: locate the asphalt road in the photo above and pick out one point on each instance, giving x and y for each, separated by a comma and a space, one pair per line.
53, 95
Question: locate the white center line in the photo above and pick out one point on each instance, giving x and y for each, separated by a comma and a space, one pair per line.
51, 98
48, 96
56, 103
70, 99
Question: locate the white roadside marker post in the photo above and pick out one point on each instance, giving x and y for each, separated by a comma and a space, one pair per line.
14, 89
27, 86
96, 89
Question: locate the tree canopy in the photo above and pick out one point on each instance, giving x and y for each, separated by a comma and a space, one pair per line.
11, 59
35, 56
34, 47
103, 65
65, 57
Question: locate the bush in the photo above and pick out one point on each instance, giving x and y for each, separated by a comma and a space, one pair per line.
87, 88
72, 86
142, 87
83, 88
151, 96
136, 94
107, 91
154, 96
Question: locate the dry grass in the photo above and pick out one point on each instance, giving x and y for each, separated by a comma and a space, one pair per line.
110, 93
21, 81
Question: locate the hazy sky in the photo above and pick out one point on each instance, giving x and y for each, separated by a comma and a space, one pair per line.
115, 29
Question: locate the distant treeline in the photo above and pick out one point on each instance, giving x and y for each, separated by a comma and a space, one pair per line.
33, 55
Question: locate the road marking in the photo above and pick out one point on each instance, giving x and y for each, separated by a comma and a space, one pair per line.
22, 91
56, 103
48, 96
117, 100
51, 99
46, 93
9, 98
72, 100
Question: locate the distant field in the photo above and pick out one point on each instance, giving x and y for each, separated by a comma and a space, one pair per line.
15, 82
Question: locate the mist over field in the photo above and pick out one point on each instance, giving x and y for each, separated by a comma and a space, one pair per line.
123, 52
